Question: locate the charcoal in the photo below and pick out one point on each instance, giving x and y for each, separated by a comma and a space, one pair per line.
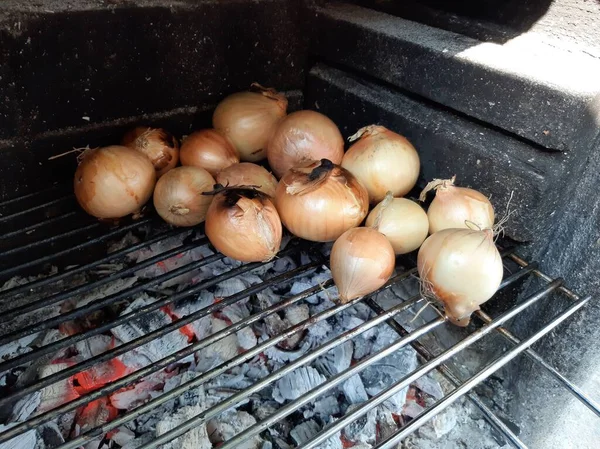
305, 431
354, 390
27, 440
337, 359
50, 435
228, 425
428, 385
296, 383
363, 429
197, 438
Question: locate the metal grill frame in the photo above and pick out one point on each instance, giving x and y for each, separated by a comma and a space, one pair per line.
462, 388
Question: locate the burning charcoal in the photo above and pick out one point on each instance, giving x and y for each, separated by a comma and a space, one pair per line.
27, 440
336, 360
296, 383
59, 392
94, 345
364, 429
386, 424
197, 438
132, 396
305, 431
354, 390
229, 425
412, 409
122, 436
428, 385
201, 327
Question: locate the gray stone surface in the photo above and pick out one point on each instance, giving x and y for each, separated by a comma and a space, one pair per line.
524, 86
448, 144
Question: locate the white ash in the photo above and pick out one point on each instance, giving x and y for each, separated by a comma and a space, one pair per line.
220, 351
25, 407
296, 383
228, 425
430, 386
386, 422
363, 429
128, 398
305, 431
336, 360
354, 390
55, 394
27, 440
97, 293
323, 408
197, 438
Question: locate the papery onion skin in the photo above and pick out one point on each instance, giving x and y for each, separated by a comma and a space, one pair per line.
457, 207
248, 120
362, 260
248, 174
302, 137
113, 181
244, 225
383, 161
209, 150
178, 196
461, 268
160, 146
402, 221
323, 208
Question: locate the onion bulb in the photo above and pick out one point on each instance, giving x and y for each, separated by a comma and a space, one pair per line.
362, 260
113, 181
243, 224
320, 201
302, 137
462, 268
402, 221
457, 207
383, 161
248, 119
209, 150
160, 146
248, 174
178, 195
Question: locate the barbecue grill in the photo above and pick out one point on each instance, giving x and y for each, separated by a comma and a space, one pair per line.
70, 280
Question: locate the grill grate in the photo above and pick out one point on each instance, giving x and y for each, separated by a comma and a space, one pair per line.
85, 236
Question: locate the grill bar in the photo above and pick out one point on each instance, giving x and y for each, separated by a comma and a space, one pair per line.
38, 225
42, 206
479, 377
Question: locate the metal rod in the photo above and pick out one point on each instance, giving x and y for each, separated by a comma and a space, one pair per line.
38, 225
34, 208
439, 406
36, 193
338, 425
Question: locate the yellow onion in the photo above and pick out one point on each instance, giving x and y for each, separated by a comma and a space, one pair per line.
457, 207
320, 201
402, 221
462, 268
248, 174
362, 260
383, 161
160, 146
248, 119
178, 195
243, 224
302, 137
209, 150
113, 181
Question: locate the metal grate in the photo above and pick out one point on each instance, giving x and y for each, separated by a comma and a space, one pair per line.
59, 232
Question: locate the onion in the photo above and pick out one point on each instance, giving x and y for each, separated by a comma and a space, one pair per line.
248, 174
178, 195
320, 201
383, 161
243, 224
461, 268
402, 221
457, 207
113, 181
248, 119
159, 145
362, 260
302, 137
209, 150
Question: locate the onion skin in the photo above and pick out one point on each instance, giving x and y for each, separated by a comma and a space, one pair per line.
248, 174
362, 260
320, 201
178, 196
302, 137
244, 225
113, 181
461, 268
248, 120
402, 221
457, 207
160, 146
383, 161
209, 150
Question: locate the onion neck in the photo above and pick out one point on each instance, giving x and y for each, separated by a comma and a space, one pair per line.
323, 169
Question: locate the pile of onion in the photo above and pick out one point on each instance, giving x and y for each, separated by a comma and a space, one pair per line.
457, 207
302, 137
209, 150
362, 260
383, 161
243, 224
462, 268
178, 196
160, 146
402, 221
320, 201
114, 181
248, 174
248, 120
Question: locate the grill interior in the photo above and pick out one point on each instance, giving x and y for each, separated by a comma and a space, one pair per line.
61, 232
